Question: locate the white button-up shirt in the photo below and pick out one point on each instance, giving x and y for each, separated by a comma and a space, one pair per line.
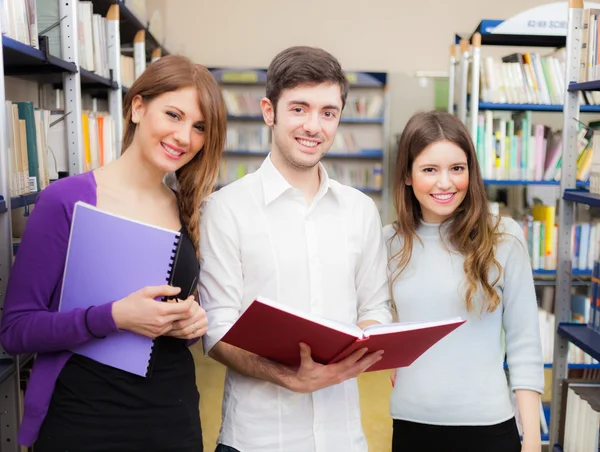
258, 237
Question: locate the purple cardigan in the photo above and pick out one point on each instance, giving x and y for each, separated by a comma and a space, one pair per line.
30, 323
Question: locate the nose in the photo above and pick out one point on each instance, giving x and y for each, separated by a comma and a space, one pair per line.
183, 134
444, 181
312, 125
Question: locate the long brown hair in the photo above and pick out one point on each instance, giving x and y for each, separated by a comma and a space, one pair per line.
197, 177
472, 230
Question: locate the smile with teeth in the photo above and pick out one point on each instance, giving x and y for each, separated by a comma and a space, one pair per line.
307, 143
170, 150
442, 196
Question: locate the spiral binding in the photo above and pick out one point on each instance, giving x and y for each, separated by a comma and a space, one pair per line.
173, 261
169, 279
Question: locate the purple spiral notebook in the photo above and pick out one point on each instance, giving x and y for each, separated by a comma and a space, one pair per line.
110, 257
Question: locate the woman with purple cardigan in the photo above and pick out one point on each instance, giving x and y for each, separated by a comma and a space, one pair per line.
175, 122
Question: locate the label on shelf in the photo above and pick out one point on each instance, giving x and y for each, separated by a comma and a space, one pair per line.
33, 187
546, 20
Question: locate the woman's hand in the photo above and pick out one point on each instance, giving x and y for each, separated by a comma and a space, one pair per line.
141, 313
194, 325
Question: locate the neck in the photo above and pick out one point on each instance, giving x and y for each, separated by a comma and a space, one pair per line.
136, 173
307, 180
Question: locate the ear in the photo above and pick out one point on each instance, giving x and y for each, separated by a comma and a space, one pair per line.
137, 109
408, 180
268, 112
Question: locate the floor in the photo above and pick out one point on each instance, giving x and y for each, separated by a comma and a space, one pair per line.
375, 389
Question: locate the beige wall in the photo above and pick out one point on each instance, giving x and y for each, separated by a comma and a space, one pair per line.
378, 35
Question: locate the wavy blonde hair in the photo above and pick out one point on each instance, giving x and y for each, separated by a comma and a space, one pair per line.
472, 230
197, 177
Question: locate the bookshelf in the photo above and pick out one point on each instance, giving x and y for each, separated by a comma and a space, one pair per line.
466, 68
359, 157
567, 333
65, 72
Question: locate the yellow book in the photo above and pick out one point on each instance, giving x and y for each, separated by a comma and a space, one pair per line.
86, 142
547, 215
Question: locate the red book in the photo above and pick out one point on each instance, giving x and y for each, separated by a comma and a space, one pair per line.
274, 331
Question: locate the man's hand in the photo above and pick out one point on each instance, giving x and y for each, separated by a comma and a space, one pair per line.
311, 376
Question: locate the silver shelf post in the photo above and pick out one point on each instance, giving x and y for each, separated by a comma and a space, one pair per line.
463, 74
475, 75
72, 87
562, 303
115, 96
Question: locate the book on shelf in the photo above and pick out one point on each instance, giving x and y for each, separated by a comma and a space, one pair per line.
514, 147
541, 234
527, 78
274, 331
19, 21
27, 129
108, 258
580, 415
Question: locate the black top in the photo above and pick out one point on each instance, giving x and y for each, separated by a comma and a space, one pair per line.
96, 407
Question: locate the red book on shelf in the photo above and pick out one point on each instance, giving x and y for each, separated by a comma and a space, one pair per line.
274, 331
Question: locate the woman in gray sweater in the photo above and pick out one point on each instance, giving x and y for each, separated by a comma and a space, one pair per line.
450, 257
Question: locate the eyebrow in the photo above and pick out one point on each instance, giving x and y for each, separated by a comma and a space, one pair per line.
175, 108
306, 104
428, 165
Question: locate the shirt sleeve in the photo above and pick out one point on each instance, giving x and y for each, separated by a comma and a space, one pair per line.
221, 279
372, 287
29, 323
520, 317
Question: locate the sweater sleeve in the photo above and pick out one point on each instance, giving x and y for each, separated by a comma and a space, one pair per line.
520, 317
30, 323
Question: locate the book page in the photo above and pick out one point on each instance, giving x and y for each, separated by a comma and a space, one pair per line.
406, 326
352, 330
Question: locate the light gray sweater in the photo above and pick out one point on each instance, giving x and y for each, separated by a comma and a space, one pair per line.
461, 380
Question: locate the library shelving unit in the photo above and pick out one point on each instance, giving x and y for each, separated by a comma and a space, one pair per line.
465, 63
23, 61
578, 334
359, 157
464, 70
464, 73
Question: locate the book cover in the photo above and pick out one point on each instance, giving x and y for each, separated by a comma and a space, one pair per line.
110, 257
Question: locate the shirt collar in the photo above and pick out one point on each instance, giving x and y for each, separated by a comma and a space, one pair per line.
274, 184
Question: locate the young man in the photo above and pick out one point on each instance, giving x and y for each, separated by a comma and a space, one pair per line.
291, 234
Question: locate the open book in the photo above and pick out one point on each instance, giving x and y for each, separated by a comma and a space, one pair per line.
274, 331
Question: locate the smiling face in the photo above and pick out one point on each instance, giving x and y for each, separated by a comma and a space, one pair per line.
170, 128
440, 180
307, 120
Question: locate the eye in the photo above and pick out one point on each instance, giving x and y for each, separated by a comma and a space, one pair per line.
200, 127
428, 170
329, 114
297, 109
458, 168
173, 115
